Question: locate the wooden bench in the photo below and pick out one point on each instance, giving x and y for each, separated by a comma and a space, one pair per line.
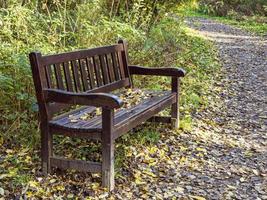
87, 77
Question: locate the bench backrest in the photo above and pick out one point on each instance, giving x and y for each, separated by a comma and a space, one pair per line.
101, 69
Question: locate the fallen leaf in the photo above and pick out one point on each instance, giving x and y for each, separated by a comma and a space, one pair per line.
2, 191
197, 197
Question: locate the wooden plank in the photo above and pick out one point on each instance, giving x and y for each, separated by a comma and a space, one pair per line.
115, 66
99, 80
76, 76
175, 105
56, 107
166, 71
120, 63
135, 120
110, 69
78, 124
90, 99
160, 119
112, 86
84, 75
94, 134
67, 75
59, 78
80, 165
77, 113
124, 115
75, 55
108, 149
49, 75
104, 69
40, 83
142, 107
90, 69
124, 57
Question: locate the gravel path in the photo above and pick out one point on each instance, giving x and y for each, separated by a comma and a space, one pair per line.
224, 156
236, 140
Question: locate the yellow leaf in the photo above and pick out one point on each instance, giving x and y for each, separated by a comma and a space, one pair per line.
70, 196
183, 159
28, 159
149, 160
98, 111
29, 194
139, 182
150, 173
182, 148
138, 179
2, 176
197, 197
52, 180
60, 188
2, 191
129, 154
242, 179
95, 186
256, 172
33, 184
200, 149
9, 151
1, 141
84, 117
153, 150
102, 196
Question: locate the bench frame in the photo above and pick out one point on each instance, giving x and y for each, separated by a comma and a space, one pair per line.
51, 100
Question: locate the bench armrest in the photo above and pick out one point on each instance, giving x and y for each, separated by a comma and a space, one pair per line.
91, 99
166, 71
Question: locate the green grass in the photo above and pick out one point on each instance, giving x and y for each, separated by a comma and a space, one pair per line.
253, 24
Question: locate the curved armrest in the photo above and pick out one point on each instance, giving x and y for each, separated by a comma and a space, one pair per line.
91, 99
166, 71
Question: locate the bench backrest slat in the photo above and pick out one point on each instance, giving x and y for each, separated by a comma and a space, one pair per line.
101, 69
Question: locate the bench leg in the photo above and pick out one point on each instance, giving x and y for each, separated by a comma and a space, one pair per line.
107, 149
175, 106
46, 149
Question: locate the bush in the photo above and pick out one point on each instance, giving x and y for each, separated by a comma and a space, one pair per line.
24, 29
225, 7
57, 27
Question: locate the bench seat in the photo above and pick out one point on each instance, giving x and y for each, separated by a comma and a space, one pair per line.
74, 124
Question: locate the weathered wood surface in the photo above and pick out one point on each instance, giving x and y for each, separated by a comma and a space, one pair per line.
123, 116
87, 77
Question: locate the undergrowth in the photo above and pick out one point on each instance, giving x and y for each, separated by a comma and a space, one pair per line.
165, 43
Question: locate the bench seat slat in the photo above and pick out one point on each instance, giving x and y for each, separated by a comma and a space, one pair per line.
124, 118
